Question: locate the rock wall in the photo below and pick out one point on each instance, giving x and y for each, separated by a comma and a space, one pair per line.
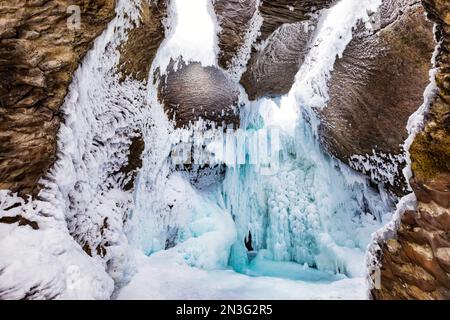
383, 74
278, 12
285, 32
38, 55
415, 261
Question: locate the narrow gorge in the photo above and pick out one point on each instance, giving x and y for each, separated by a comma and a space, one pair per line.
224, 149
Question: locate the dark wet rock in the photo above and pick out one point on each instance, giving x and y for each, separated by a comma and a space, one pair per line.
278, 12
415, 260
271, 70
234, 17
134, 163
195, 92
38, 55
287, 29
375, 88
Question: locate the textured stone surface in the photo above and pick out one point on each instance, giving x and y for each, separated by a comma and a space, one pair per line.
279, 12
38, 55
287, 28
378, 84
234, 18
193, 92
423, 236
137, 53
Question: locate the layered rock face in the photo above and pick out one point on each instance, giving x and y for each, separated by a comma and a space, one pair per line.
138, 52
234, 18
40, 48
286, 31
193, 92
136, 58
375, 88
415, 262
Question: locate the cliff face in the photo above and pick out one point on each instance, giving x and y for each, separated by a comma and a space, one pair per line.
138, 52
366, 126
415, 262
195, 92
39, 51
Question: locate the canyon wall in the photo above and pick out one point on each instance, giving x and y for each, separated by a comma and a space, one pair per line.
415, 260
364, 122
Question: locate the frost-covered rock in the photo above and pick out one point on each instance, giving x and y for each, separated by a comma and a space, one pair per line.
411, 258
40, 50
285, 35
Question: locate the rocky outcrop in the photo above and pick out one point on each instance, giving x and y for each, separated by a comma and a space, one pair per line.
278, 12
234, 18
193, 92
415, 261
40, 48
136, 58
271, 70
286, 30
383, 75
137, 53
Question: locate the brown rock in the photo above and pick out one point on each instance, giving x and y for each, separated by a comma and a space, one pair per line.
38, 55
427, 228
383, 75
271, 70
194, 92
278, 12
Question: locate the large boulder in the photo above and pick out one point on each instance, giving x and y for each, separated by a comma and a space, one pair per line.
414, 260
38, 55
193, 92
375, 88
